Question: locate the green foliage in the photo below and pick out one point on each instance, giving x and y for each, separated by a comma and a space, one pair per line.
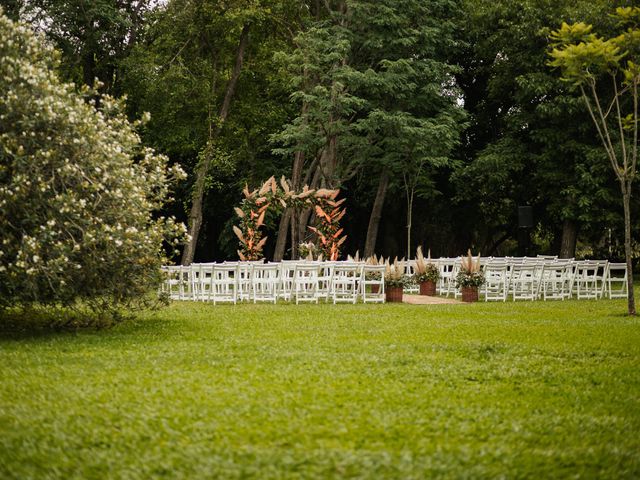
469, 279
78, 191
525, 145
430, 274
585, 56
94, 37
179, 73
374, 78
517, 390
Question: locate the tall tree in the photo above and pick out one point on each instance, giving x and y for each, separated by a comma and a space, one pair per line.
523, 146
376, 91
94, 37
205, 72
591, 62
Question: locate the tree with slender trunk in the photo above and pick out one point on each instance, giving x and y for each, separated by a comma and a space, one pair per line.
204, 165
607, 74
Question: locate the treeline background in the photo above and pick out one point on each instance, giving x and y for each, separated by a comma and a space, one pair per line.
446, 109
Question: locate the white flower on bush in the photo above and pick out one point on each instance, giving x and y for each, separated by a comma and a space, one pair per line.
81, 189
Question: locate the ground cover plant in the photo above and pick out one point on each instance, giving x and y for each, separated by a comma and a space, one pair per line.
541, 390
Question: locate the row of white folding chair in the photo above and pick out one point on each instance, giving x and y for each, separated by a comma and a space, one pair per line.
338, 281
304, 281
523, 278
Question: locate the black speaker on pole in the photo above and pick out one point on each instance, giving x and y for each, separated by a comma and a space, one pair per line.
525, 217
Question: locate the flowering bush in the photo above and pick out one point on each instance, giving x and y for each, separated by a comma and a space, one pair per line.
77, 191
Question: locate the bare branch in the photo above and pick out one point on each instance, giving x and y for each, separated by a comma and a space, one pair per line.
602, 130
616, 98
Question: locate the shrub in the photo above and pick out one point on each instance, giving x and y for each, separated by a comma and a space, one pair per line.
78, 191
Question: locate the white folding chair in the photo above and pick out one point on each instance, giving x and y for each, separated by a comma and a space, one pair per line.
344, 284
585, 283
452, 269
305, 282
174, 284
224, 284
287, 276
325, 276
525, 280
410, 287
616, 280
496, 286
556, 280
372, 283
244, 279
264, 283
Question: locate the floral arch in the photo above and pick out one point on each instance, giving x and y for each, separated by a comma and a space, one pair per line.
256, 203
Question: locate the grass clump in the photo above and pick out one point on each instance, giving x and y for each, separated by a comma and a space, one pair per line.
394, 391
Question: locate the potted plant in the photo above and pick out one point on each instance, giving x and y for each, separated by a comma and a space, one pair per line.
426, 273
470, 278
394, 280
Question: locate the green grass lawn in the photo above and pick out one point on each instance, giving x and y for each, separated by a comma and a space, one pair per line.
534, 390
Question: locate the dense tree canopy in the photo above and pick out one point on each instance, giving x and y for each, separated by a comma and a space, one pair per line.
436, 118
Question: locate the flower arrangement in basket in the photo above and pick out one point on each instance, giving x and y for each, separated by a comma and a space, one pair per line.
470, 277
394, 280
426, 273
307, 251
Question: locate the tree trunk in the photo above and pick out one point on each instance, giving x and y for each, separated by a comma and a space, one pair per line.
569, 239
376, 214
329, 162
281, 241
289, 215
409, 223
295, 238
626, 198
305, 215
195, 217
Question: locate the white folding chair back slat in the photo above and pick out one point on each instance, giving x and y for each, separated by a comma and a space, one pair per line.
264, 283
305, 282
616, 280
345, 283
372, 283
